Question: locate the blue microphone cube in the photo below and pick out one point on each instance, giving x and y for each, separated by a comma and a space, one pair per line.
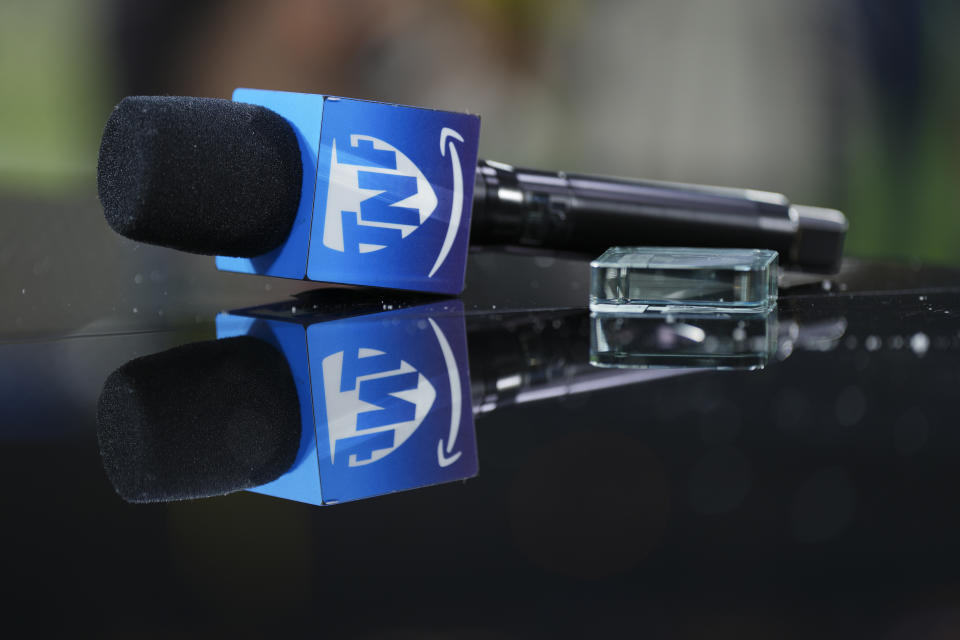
386, 198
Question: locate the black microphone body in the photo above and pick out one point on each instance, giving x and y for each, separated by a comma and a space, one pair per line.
582, 213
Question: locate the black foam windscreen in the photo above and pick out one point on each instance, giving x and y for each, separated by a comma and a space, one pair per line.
199, 420
203, 175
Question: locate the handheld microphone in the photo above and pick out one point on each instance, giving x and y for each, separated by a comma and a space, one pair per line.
356, 192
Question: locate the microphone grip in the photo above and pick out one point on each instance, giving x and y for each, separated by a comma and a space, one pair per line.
589, 214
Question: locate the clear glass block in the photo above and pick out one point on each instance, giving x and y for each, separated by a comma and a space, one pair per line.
645, 279
700, 340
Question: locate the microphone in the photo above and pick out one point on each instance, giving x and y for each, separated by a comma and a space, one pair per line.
355, 192
200, 175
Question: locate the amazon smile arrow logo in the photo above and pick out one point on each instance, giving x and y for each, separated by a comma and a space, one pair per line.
445, 454
456, 207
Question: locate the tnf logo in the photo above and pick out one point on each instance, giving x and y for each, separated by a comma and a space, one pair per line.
375, 401
377, 196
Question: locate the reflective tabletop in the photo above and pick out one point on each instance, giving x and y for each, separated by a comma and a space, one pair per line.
805, 489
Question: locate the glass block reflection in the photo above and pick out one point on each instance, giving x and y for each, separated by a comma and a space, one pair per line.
715, 341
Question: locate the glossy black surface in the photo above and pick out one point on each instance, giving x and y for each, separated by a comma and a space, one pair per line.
813, 497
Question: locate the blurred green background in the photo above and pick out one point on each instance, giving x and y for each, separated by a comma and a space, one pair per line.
852, 104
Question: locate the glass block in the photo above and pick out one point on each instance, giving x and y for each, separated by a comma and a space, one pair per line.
700, 340
645, 279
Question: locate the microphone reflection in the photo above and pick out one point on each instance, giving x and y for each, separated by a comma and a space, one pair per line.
374, 394
384, 397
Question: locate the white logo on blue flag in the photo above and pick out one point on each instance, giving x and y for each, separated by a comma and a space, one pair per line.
375, 186
377, 196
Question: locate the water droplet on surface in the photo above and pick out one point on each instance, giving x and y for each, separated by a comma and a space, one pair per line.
919, 343
135, 310
872, 343
826, 285
137, 279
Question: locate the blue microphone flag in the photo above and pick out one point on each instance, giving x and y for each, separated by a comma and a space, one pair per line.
386, 198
